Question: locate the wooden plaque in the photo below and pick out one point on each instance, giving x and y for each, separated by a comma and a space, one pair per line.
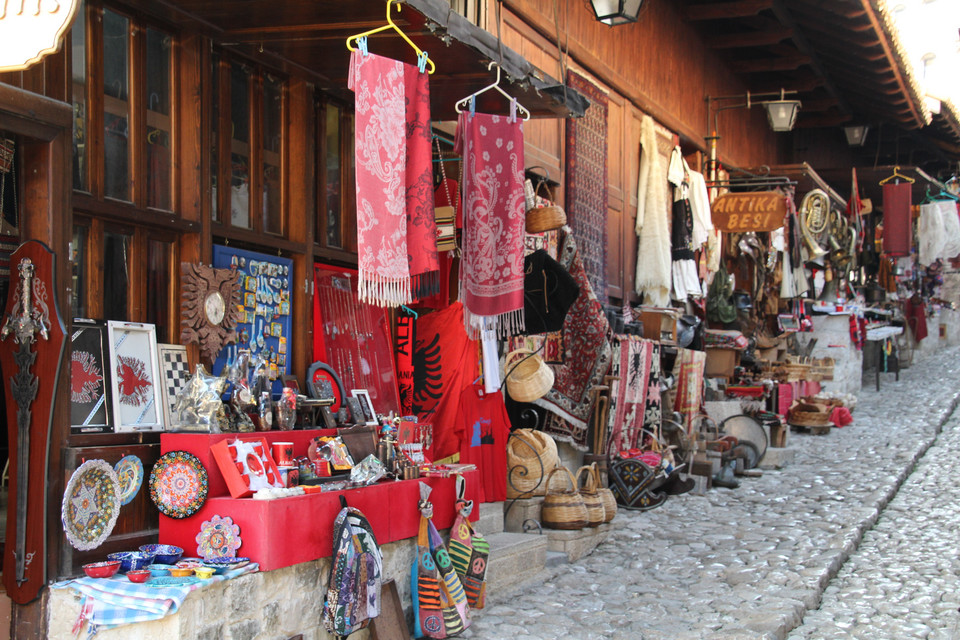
755, 211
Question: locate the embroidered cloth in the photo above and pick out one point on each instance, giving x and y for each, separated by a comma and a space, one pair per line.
690, 385
635, 397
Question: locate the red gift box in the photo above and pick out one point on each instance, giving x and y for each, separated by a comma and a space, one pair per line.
240, 471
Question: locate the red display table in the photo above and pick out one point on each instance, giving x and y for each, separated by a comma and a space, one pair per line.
287, 531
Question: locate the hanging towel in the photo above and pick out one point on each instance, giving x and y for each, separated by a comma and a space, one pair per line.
930, 234
653, 248
491, 269
951, 229
897, 233
396, 229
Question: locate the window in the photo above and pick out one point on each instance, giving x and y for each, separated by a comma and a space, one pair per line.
335, 227
116, 105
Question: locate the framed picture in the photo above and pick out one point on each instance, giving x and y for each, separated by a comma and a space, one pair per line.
356, 413
137, 398
366, 406
90, 403
174, 374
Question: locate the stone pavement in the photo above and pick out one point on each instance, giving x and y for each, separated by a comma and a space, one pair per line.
751, 563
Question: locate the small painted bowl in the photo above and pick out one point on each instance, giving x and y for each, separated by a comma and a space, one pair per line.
181, 572
102, 569
159, 570
131, 560
138, 575
204, 573
163, 553
192, 563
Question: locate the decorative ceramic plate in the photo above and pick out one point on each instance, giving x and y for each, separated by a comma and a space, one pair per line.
90, 505
171, 581
229, 563
218, 538
178, 484
130, 472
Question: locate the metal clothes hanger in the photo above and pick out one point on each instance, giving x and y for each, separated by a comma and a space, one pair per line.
359, 39
469, 100
896, 175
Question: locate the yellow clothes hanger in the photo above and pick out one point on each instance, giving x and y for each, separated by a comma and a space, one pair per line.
897, 176
352, 40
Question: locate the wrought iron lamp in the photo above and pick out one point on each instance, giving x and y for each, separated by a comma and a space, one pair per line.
856, 134
614, 12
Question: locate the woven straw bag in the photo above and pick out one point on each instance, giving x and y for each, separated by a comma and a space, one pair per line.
591, 499
606, 495
541, 219
563, 508
530, 378
531, 455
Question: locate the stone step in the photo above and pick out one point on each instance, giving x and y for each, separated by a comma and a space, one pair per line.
520, 511
556, 559
577, 543
515, 559
491, 519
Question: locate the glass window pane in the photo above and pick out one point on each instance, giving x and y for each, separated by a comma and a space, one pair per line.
159, 297
214, 137
240, 146
78, 39
77, 259
158, 123
333, 185
116, 50
116, 275
272, 134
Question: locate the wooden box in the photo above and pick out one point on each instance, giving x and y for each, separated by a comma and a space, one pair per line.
721, 363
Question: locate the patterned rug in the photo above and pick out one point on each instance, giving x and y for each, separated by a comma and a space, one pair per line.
586, 196
635, 397
585, 332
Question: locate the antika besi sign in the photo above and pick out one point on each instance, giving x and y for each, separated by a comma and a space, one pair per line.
754, 211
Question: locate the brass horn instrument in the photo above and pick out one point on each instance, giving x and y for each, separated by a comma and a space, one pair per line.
814, 217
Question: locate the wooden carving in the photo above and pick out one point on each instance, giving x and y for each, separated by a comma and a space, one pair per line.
209, 307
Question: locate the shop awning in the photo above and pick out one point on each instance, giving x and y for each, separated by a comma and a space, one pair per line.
309, 38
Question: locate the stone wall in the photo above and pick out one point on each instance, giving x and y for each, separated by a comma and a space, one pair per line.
270, 605
833, 341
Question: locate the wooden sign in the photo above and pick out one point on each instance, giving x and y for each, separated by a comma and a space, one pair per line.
754, 211
31, 30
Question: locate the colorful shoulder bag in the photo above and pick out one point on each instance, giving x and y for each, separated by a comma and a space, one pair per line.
468, 550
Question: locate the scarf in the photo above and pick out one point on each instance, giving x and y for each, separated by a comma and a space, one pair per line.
396, 230
897, 231
653, 249
491, 269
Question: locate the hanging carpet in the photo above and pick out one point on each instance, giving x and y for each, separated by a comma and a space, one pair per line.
635, 397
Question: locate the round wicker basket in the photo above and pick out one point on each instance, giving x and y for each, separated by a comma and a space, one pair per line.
531, 455
541, 219
591, 499
606, 495
563, 508
530, 378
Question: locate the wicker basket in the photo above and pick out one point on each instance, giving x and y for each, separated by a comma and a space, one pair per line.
529, 378
591, 499
531, 455
804, 415
606, 495
541, 219
563, 508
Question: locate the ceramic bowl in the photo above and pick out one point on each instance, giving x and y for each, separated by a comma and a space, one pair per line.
191, 563
131, 560
163, 553
181, 572
102, 569
138, 575
204, 573
159, 570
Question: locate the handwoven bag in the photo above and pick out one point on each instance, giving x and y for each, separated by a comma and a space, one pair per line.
563, 508
528, 379
606, 496
546, 218
531, 455
591, 499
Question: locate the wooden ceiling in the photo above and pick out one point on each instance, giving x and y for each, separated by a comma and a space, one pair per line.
844, 59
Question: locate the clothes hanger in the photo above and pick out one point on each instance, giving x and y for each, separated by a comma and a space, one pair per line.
469, 100
362, 44
896, 175
410, 311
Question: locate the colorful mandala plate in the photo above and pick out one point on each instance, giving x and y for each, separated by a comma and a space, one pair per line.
218, 538
178, 484
130, 472
90, 504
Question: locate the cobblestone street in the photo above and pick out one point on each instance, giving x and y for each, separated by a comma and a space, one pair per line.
850, 522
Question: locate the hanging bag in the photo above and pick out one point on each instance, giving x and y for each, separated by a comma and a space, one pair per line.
468, 551
356, 574
440, 608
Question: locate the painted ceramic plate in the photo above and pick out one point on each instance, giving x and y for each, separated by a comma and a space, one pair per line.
229, 563
130, 472
218, 538
170, 581
178, 484
90, 504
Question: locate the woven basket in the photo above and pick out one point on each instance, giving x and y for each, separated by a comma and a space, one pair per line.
591, 499
529, 378
805, 415
606, 495
525, 475
563, 508
541, 219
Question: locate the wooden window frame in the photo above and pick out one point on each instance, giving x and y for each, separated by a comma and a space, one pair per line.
347, 252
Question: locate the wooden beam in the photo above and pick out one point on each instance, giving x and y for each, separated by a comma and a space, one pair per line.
819, 104
748, 39
769, 64
821, 121
722, 10
803, 82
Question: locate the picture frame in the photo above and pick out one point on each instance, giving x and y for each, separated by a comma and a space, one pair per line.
137, 397
356, 412
366, 406
174, 374
91, 407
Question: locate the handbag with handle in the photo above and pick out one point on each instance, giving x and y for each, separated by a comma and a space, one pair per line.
563, 508
606, 495
591, 499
